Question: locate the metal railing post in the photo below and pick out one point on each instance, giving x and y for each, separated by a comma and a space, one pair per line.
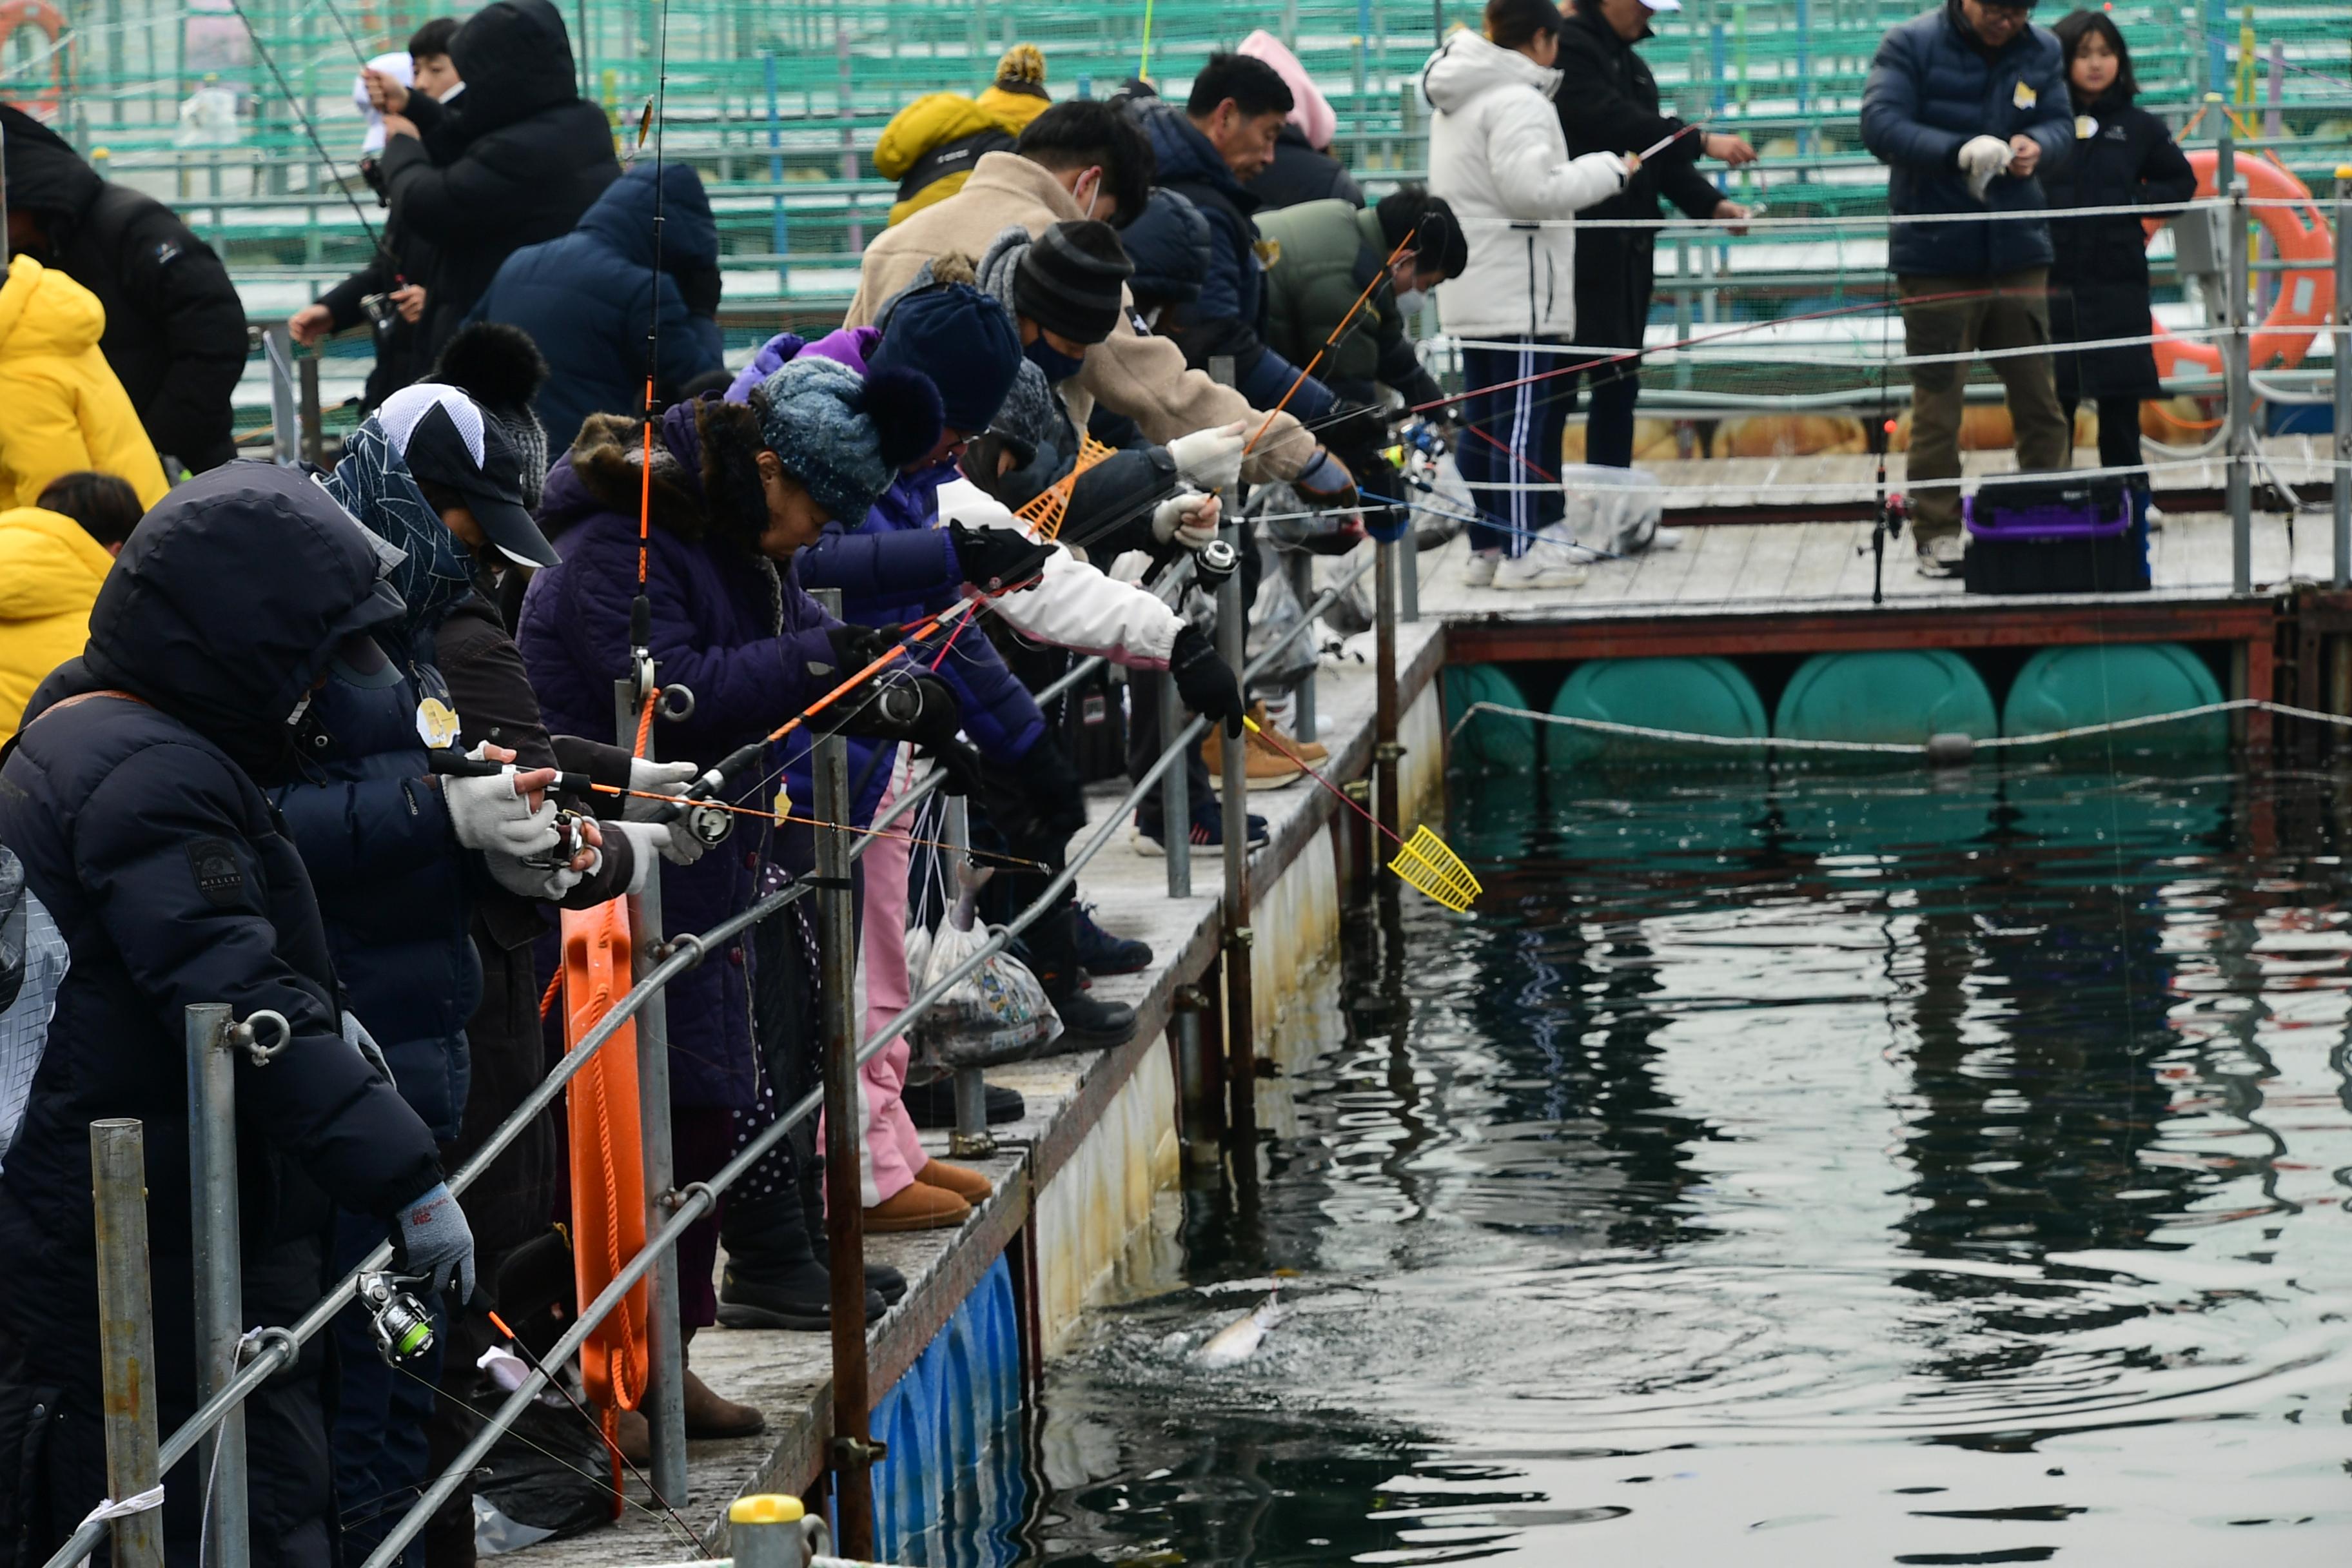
972, 1139
314, 433
285, 428
2342, 351
851, 1451
665, 1398
1385, 750
1175, 794
2237, 370
1302, 586
126, 1334
220, 1294
1240, 1046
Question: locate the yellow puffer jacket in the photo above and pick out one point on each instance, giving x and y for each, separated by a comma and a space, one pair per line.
50, 571
60, 407
938, 119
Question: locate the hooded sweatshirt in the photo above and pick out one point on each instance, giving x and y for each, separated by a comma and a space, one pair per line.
1497, 156
61, 408
50, 571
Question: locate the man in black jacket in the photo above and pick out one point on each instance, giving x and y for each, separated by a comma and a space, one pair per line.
1608, 102
514, 161
175, 328
133, 797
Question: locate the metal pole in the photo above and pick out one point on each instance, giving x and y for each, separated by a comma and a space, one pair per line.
1241, 1047
2342, 351
314, 435
126, 1334
665, 1400
1175, 794
220, 1297
970, 1139
2236, 348
1385, 750
853, 1453
1302, 586
285, 428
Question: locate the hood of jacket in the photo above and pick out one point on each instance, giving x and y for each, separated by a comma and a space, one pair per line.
705, 478
1311, 117
1469, 65
1168, 243
46, 314
515, 59
44, 173
229, 602
50, 565
623, 217
1184, 154
374, 485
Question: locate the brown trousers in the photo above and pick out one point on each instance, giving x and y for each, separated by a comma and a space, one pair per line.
2016, 317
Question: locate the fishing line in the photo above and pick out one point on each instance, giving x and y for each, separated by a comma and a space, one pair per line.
1332, 341
349, 38
769, 814
287, 92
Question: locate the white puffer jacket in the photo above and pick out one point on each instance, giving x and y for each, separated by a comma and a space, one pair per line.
1074, 604
1499, 157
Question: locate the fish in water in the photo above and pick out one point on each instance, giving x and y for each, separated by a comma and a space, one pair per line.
1239, 1339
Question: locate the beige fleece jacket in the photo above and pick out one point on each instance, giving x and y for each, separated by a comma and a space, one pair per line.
1132, 374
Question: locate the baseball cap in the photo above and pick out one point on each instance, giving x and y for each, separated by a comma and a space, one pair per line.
445, 438
1662, 5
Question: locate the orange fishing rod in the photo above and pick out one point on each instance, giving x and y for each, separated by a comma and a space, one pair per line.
1332, 341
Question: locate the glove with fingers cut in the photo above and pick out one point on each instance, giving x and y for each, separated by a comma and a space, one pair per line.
1187, 518
1204, 682
489, 814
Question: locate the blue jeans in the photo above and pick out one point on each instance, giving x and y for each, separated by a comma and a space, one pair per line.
1522, 427
381, 1413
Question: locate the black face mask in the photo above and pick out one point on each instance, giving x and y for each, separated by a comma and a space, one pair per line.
1058, 365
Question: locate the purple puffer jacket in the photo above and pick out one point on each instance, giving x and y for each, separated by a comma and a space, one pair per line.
737, 632
899, 566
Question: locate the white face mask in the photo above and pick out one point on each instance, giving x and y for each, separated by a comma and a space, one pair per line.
1086, 195
1410, 302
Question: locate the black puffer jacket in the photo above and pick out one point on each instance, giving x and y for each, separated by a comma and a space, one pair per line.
1297, 173
532, 156
175, 328
2099, 280
144, 833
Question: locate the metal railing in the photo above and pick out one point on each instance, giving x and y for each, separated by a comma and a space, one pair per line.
234, 1362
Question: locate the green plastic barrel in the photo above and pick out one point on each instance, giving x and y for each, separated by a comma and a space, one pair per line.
1490, 742
2064, 687
1898, 694
1702, 696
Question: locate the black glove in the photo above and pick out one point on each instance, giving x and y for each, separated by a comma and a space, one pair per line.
994, 559
895, 706
854, 647
960, 764
1204, 682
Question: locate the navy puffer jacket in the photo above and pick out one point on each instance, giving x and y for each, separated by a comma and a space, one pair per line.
144, 832
1932, 89
730, 626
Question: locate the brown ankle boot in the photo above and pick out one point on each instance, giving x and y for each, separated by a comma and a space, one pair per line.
970, 1186
709, 1415
918, 1207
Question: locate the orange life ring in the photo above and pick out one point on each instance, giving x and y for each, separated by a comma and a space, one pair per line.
16, 13
2307, 298
608, 1179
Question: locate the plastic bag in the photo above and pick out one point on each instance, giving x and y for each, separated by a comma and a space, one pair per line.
1615, 509
1276, 611
997, 1013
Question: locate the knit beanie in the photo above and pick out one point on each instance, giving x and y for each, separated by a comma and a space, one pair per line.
1072, 280
499, 366
1022, 68
846, 435
961, 339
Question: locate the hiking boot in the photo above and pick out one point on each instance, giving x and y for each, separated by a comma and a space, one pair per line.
709, 1415
1088, 1024
1099, 952
916, 1206
1262, 767
1208, 829
968, 1184
1308, 751
773, 1279
886, 1282
932, 1104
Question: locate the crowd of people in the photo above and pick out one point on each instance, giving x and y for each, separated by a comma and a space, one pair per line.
339, 745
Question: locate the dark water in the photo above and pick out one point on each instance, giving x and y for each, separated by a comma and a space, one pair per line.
1852, 1173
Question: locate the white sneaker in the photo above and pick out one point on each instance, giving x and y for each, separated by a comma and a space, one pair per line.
1540, 569
1941, 556
1479, 572
1664, 539
2154, 517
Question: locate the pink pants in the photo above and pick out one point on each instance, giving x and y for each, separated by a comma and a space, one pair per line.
891, 1151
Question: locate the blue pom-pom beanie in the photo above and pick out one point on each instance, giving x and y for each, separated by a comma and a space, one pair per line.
960, 337
846, 435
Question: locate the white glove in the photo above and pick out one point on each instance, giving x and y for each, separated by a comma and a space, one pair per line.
549, 883
355, 1035
1211, 459
1189, 518
671, 841
1982, 157
487, 815
658, 778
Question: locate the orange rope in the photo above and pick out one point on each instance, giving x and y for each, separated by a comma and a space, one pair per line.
645, 722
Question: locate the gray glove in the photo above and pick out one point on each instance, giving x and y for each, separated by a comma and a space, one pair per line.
355, 1035
660, 778
434, 1242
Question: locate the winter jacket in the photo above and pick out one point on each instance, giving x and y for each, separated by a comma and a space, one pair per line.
50, 571
1143, 378
61, 408
405, 259
584, 298
2098, 273
1229, 318
1168, 246
143, 831
531, 155
1499, 157
174, 330
1330, 252
929, 146
1300, 173
1934, 88
729, 624
1074, 605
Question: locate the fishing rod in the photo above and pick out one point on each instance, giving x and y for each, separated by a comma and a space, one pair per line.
641, 609
1332, 341
287, 90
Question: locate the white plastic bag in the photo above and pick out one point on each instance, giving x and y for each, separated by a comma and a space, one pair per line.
997, 1013
1615, 509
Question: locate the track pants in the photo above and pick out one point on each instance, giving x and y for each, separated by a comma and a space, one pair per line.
1512, 438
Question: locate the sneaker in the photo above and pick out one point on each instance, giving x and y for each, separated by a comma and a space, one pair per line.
1941, 556
1262, 767
1664, 539
1548, 570
1308, 751
2155, 515
1208, 830
1099, 952
1479, 572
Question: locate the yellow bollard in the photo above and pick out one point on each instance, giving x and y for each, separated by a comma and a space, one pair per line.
765, 1532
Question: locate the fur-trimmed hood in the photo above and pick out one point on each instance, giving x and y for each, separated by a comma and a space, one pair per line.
705, 479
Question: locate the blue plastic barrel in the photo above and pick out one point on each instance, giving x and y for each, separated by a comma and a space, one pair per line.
1702, 696
2066, 688
952, 1423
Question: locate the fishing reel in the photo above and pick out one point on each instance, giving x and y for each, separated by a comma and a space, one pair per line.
403, 1328
709, 823
1214, 563
566, 845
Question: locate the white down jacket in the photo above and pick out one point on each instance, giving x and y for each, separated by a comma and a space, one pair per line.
1072, 605
1499, 157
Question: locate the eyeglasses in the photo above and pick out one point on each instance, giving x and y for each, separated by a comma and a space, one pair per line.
2016, 15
